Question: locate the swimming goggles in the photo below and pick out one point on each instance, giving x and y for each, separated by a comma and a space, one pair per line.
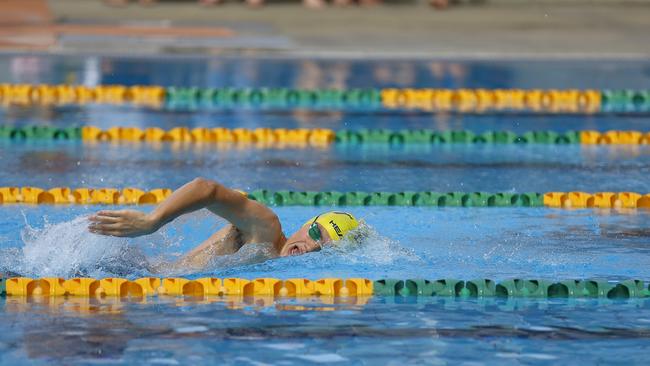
314, 231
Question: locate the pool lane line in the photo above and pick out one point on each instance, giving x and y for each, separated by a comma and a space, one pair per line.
135, 196
583, 101
316, 137
324, 287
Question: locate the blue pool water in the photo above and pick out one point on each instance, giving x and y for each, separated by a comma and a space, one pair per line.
402, 242
425, 331
323, 73
442, 168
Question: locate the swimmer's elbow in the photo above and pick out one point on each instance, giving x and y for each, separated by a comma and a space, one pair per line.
203, 182
207, 188
213, 192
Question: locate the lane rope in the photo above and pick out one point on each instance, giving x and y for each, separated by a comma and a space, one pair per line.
319, 137
325, 287
584, 101
136, 196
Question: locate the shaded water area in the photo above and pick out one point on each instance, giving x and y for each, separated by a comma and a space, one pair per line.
416, 167
309, 331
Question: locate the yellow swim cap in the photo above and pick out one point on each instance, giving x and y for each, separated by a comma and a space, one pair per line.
336, 223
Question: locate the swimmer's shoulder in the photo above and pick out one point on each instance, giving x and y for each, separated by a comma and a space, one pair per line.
266, 226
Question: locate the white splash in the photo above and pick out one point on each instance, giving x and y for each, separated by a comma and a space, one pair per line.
362, 251
67, 249
365, 245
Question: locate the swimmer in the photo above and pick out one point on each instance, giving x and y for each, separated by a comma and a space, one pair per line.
249, 222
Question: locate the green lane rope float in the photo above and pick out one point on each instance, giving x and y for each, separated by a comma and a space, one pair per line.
451, 199
135, 196
325, 287
433, 100
302, 137
454, 199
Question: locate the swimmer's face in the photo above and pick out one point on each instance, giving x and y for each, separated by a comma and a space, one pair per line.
300, 242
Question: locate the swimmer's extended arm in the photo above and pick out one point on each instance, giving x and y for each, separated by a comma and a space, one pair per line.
251, 218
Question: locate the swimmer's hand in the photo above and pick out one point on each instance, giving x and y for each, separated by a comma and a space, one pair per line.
125, 223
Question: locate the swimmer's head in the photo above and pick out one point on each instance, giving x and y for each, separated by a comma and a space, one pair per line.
323, 229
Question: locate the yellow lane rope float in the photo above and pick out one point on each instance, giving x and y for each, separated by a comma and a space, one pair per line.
212, 135
484, 100
151, 286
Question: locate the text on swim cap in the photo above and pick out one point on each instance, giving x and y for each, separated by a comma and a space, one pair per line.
336, 228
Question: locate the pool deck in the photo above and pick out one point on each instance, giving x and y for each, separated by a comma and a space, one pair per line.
497, 29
